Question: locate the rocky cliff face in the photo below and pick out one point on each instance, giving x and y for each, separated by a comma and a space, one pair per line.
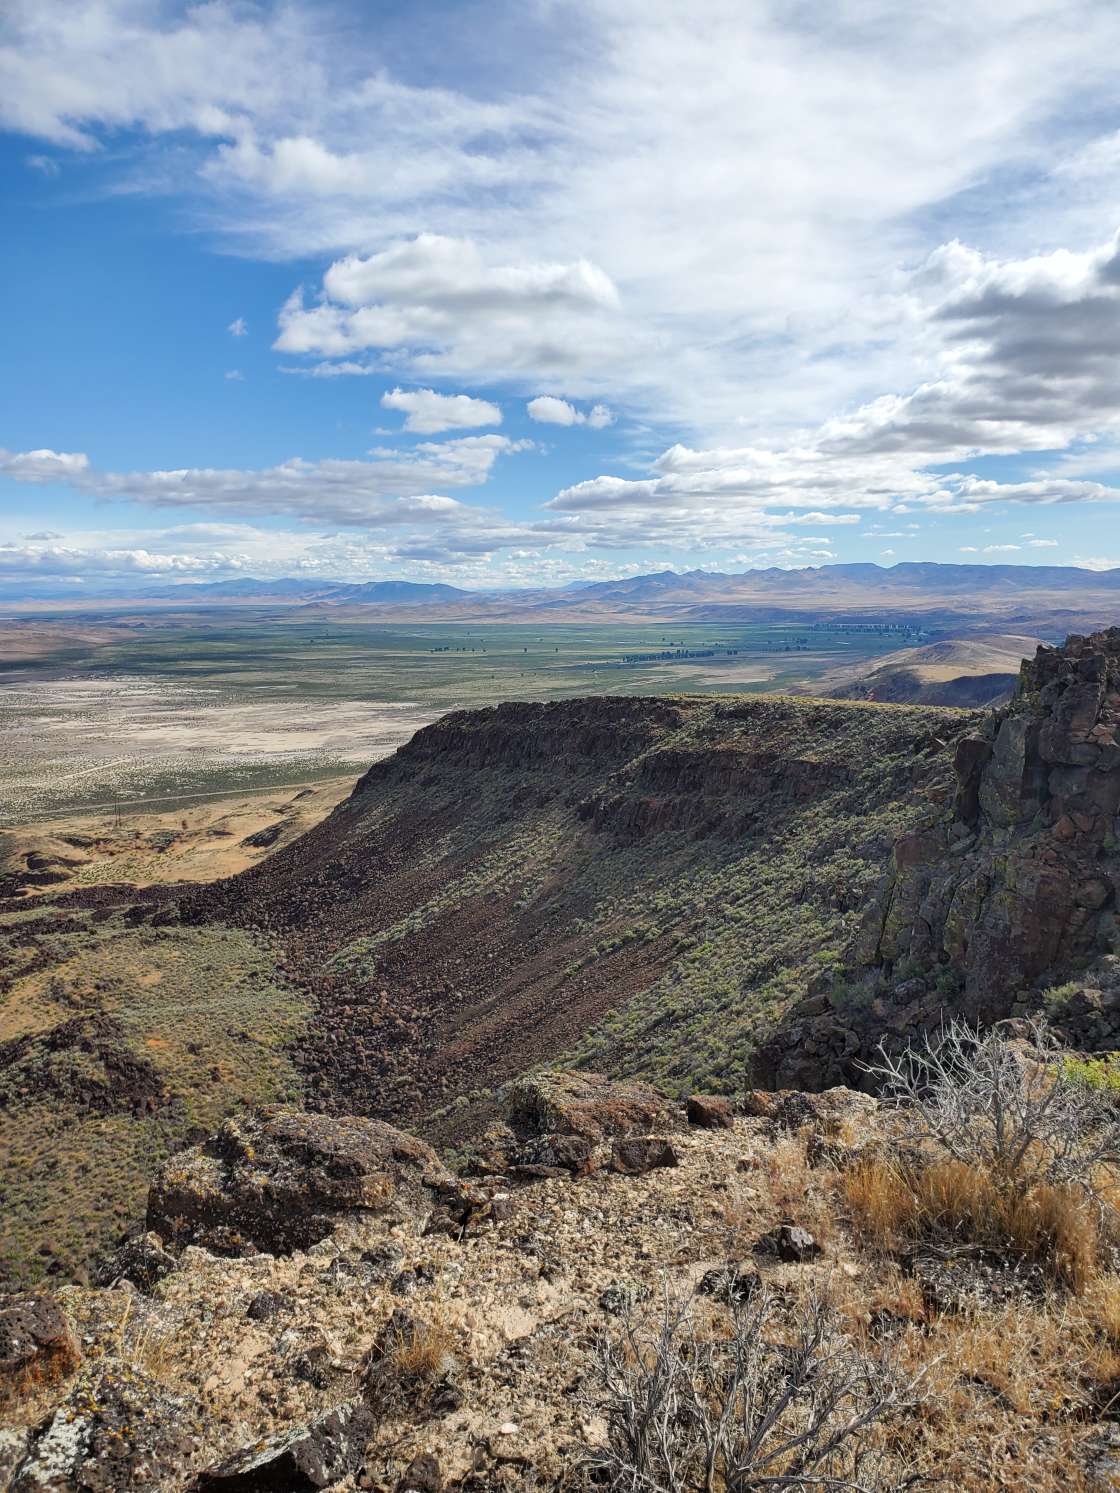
1007, 889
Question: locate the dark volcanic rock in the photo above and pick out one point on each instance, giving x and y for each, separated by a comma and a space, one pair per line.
279, 1180
142, 1260
584, 1104
117, 1429
636, 1154
1014, 889
37, 1347
710, 1112
553, 1156
85, 1063
311, 1457
262, 838
790, 1243
422, 1475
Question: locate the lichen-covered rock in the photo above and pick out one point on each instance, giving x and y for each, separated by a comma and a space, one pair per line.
306, 1459
584, 1104
279, 1181
554, 1156
37, 1346
143, 1261
117, 1431
825, 1112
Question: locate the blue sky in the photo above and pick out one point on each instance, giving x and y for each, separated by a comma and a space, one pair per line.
518, 294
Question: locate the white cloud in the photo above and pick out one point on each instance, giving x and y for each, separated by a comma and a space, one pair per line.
46, 165
439, 306
1043, 544
394, 488
1027, 351
239, 327
345, 369
43, 466
549, 410
57, 560
235, 376
429, 412
299, 144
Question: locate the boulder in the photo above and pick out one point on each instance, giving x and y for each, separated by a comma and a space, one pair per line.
710, 1112
279, 1180
143, 1261
313, 1456
636, 1154
117, 1429
554, 1156
794, 1108
37, 1346
585, 1104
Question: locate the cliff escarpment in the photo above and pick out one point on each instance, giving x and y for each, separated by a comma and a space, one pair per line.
1004, 903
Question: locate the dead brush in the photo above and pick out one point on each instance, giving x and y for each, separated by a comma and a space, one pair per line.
777, 1399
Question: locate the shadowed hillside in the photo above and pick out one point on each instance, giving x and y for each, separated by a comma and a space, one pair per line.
643, 883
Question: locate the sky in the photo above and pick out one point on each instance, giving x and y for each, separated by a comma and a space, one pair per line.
522, 294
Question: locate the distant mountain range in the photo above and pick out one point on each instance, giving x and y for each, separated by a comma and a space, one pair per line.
1041, 599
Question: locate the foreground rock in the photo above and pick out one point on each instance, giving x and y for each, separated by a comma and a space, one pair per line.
118, 1429
37, 1346
280, 1180
302, 1461
585, 1104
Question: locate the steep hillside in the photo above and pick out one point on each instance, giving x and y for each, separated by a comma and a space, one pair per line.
643, 884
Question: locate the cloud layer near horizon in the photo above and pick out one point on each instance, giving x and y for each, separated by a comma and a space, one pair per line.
803, 266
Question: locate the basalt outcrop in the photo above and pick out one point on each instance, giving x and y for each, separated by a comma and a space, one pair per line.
1009, 888
280, 1180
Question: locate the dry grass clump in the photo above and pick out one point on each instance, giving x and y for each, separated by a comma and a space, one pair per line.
957, 1208
407, 1364
1000, 1150
425, 1352
779, 1399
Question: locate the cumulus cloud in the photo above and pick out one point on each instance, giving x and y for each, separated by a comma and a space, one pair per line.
428, 412
239, 327
549, 410
440, 305
393, 488
43, 466
1028, 351
58, 560
302, 148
